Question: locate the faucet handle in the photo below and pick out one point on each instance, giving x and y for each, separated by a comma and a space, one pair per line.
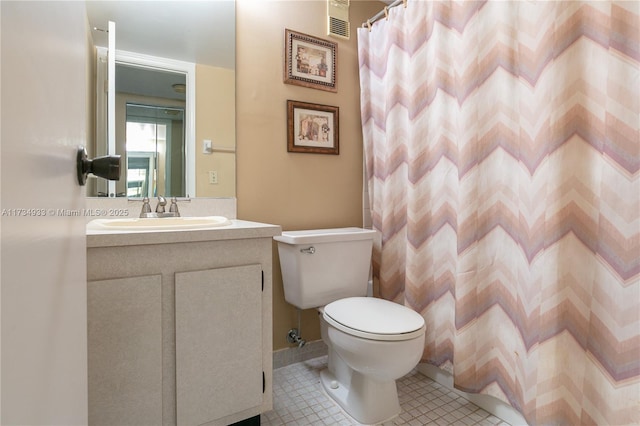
146, 208
161, 203
174, 206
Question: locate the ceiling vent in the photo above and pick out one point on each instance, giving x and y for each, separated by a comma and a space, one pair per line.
338, 18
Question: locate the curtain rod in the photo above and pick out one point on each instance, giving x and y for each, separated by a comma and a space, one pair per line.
383, 13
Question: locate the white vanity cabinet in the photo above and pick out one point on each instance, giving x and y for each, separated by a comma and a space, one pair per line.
180, 325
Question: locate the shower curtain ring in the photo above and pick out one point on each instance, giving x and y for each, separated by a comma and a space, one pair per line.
369, 24
386, 13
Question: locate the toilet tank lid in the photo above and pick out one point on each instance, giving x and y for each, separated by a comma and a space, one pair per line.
311, 236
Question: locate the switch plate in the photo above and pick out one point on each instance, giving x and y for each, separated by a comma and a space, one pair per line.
213, 177
207, 146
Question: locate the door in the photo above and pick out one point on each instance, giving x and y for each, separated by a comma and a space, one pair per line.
44, 114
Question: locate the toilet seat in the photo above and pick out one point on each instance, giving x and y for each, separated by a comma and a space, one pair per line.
374, 319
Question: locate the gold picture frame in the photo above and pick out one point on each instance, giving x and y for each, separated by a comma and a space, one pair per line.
310, 61
312, 128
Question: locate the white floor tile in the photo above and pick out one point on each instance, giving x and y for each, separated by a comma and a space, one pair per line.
298, 399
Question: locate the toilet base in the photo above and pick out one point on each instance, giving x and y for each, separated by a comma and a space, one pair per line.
366, 400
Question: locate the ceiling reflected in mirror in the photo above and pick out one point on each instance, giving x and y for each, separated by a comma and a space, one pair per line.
150, 82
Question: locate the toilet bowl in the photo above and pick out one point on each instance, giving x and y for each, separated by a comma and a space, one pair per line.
372, 342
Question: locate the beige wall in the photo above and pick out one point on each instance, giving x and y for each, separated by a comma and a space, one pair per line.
215, 120
296, 191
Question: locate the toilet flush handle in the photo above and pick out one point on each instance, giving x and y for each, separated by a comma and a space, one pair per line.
309, 250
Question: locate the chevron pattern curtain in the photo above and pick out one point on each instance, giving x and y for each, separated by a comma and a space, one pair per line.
502, 151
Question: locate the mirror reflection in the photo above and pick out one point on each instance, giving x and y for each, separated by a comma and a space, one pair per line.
150, 113
162, 146
154, 150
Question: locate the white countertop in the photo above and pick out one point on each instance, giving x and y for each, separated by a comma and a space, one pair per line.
239, 229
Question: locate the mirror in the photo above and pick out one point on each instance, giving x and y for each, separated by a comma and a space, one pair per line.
175, 90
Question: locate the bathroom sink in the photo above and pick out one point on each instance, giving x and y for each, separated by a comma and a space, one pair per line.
165, 223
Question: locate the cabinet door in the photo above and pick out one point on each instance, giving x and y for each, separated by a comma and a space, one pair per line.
125, 351
218, 343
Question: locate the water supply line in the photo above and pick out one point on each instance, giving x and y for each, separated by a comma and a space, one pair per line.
294, 334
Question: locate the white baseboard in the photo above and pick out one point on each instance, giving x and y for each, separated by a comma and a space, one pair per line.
488, 403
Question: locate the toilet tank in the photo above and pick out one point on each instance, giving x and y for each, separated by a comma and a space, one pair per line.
322, 265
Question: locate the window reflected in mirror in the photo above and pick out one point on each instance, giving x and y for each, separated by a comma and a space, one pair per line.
155, 150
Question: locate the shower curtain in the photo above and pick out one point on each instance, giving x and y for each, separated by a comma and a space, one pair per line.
502, 153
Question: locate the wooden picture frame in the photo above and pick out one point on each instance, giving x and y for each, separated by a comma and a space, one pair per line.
310, 61
312, 128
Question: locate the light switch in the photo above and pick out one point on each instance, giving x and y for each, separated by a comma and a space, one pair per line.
207, 146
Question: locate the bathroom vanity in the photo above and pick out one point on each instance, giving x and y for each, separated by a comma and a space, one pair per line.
180, 324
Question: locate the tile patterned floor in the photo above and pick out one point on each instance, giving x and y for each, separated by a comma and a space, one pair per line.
298, 399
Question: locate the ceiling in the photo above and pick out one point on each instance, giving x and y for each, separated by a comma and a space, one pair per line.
192, 31
149, 82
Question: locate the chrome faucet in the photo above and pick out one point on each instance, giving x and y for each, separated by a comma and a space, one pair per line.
161, 203
160, 211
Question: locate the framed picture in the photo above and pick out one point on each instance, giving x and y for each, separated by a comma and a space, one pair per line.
310, 61
312, 128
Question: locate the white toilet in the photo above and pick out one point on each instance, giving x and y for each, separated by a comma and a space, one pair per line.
372, 342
